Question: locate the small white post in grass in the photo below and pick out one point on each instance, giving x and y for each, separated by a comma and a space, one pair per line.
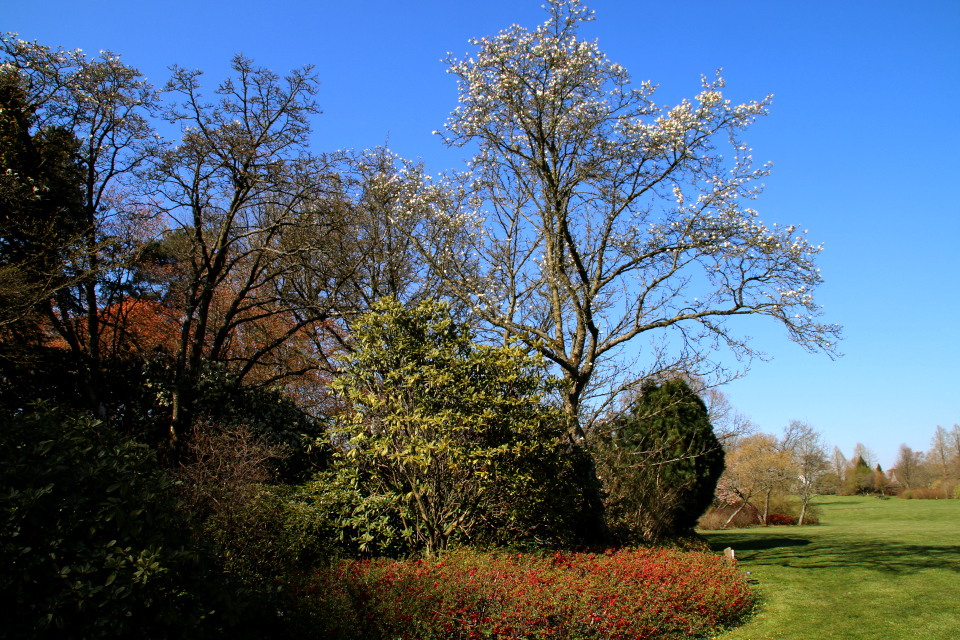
731, 557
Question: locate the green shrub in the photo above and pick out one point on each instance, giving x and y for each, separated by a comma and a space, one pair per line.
229, 489
449, 441
93, 544
956, 492
271, 538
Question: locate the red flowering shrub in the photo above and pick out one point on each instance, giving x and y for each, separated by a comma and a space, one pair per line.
779, 518
617, 595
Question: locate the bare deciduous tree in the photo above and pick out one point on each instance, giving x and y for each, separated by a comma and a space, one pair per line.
911, 468
863, 451
955, 449
809, 461
838, 465
262, 226
941, 453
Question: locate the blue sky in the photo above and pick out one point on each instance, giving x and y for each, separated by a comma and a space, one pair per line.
863, 134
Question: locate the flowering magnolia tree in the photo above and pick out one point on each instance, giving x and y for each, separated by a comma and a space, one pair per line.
606, 216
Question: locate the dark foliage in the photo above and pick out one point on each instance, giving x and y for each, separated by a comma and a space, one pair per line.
661, 463
94, 544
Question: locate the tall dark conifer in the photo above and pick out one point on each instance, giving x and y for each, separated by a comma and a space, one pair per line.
663, 461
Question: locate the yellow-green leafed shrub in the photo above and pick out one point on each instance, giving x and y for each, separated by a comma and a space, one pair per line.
449, 440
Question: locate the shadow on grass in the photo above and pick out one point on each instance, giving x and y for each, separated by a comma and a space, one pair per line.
822, 552
767, 542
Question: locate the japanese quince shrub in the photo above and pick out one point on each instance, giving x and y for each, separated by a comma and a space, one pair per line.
624, 594
447, 440
93, 545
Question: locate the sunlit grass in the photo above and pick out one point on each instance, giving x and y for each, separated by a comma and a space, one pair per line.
872, 569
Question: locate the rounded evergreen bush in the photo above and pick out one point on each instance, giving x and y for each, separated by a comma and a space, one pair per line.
661, 462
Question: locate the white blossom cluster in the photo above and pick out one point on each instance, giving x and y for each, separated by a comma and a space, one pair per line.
597, 202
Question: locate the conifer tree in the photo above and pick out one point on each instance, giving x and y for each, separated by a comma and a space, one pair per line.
662, 462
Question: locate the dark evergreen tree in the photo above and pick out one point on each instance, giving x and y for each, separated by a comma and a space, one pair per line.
661, 463
40, 198
40, 225
859, 479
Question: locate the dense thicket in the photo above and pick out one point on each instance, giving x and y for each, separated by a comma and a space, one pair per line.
94, 542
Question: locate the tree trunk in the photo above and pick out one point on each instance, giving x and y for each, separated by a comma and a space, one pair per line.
766, 507
743, 502
594, 509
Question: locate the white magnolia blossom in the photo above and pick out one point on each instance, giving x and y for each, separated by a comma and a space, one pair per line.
601, 206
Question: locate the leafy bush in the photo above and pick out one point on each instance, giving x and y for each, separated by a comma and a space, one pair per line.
781, 519
616, 595
448, 440
93, 544
260, 530
956, 492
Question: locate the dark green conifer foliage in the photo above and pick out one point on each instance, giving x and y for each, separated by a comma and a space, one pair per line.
40, 224
662, 462
40, 197
859, 480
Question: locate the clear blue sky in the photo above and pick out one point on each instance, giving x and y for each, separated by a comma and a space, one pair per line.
863, 134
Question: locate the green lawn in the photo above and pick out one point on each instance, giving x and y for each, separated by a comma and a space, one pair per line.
872, 569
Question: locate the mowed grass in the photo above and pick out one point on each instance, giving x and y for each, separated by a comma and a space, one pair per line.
872, 569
